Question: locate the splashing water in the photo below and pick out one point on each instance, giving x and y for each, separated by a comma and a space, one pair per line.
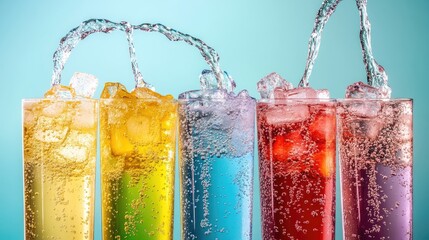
273, 86
376, 76
328, 7
91, 26
209, 54
208, 81
72, 38
137, 74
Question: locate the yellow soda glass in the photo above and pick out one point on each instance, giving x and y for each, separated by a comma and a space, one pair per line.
138, 139
59, 155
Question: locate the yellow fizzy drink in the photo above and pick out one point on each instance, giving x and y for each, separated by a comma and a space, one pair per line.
59, 167
137, 133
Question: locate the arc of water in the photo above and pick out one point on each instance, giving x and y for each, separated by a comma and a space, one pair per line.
208, 53
328, 7
134, 65
91, 26
72, 38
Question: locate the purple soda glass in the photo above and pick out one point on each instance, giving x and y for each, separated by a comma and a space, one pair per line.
376, 154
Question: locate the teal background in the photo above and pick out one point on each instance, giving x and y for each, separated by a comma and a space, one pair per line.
253, 38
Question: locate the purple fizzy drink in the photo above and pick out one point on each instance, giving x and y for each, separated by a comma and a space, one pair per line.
376, 153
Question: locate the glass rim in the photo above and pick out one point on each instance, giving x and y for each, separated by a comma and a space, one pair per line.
138, 100
184, 101
333, 100
58, 99
97, 100
200, 96
297, 100
345, 100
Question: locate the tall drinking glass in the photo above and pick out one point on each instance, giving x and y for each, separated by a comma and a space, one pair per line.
138, 140
296, 143
216, 167
59, 152
376, 159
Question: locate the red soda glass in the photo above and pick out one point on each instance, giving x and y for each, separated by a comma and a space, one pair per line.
296, 143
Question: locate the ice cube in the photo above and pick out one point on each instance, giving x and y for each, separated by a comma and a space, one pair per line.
365, 108
84, 117
287, 114
301, 92
194, 94
29, 118
51, 135
119, 143
367, 128
115, 90
54, 109
322, 93
142, 92
218, 95
76, 147
84, 139
270, 82
243, 94
362, 90
146, 93
289, 146
208, 81
60, 92
118, 110
84, 84
49, 130
322, 128
386, 91
215, 94
193, 100
143, 129
73, 153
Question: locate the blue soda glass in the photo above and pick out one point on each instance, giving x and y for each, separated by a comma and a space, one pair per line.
216, 141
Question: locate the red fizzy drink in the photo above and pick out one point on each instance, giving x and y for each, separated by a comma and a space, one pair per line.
297, 140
